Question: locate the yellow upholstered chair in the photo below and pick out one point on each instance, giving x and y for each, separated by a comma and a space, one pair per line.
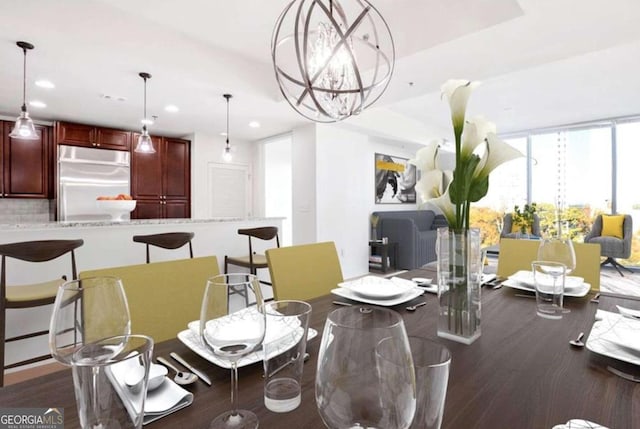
304, 272
516, 255
164, 296
33, 295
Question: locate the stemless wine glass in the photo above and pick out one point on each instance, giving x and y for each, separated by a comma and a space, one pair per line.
230, 331
560, 250
353, 387
86, 311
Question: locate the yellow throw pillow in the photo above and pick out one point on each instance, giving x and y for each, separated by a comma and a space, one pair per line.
516, 227
612, 225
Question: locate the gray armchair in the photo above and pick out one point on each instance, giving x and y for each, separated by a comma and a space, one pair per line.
507, 224
415, 233
612, 247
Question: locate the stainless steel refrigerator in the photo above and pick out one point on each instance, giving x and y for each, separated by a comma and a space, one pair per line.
84, 174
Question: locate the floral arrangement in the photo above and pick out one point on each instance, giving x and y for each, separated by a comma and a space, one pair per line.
478, 151
525, 218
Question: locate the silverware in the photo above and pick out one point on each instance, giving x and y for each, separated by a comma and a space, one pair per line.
522, 295
413, 307
578, 341
346, 304
182, 377
624, 374
201, 375
595, 299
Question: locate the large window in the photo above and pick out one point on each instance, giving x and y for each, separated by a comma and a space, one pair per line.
572, 176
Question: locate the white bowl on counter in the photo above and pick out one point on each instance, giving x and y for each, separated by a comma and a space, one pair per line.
116, 208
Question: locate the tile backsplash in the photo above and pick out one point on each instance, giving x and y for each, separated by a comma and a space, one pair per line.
26, 210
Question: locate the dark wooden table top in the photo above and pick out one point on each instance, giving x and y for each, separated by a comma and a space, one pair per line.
521, 373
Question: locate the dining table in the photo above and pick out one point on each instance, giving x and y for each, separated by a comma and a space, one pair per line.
520, 373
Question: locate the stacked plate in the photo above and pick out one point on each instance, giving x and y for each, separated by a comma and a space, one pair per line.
378, 290
523, 280
286, 335
616, 335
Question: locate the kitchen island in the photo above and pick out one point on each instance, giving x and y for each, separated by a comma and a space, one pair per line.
110, 244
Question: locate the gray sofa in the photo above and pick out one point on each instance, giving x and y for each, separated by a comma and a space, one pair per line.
415, 233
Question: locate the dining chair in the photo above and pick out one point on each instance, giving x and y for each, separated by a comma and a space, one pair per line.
164, 296
167, 240
305, 271
31, 295
517, 254
252, 260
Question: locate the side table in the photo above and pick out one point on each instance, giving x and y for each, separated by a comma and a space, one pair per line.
388, 253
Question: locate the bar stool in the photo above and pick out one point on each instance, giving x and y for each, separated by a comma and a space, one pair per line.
33, 295
253, 261
168, 240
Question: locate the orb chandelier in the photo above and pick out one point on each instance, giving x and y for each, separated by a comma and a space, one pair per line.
332, 59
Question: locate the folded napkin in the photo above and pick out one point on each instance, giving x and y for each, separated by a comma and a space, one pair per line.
579, 424
160, 402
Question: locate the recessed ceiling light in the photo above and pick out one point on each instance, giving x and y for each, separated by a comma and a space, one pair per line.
254, 124
171, 108
223, 134
146, 121
42, 83
38, 104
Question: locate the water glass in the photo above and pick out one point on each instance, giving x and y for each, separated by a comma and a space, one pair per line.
548, 278
354, 387
100, 372
284, 354
431, 361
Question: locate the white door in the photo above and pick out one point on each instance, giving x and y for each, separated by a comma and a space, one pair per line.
228, 188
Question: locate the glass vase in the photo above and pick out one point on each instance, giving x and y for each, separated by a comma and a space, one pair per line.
459, 278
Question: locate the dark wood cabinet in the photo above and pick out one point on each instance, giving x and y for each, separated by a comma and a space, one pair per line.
160, 181
27, 165
90, 136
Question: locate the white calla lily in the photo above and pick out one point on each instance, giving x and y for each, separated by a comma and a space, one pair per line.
475, 133
457, 92
426, 157
433, 184
498, 152
444, 205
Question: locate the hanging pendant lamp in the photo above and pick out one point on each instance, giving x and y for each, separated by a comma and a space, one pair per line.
226, 154
24, 128
332, 58
145, 144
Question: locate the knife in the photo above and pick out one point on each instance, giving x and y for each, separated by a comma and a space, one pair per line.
201, 375
624, 374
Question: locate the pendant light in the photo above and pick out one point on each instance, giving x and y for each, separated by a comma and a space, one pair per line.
24, 128
145, 144
332, 58
226, 154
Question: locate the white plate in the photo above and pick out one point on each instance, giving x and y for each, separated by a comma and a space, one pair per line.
526, 277
579, 292
377, 287
615, 336
191, 339
408, 296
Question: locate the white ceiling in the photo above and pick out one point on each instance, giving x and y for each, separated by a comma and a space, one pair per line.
543, 63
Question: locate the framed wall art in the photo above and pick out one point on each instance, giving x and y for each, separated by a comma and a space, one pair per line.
395, 180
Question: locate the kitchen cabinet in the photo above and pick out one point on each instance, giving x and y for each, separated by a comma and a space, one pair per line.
71, 134
26, 166
161, 181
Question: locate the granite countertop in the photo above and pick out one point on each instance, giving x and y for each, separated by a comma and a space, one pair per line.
102, 223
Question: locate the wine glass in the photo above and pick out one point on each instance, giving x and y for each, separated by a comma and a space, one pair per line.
354, 386
560, 250
86, 311
230, 331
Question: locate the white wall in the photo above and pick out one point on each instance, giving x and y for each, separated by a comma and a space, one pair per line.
206, 149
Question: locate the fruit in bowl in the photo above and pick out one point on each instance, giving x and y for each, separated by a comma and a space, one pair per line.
117, 206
